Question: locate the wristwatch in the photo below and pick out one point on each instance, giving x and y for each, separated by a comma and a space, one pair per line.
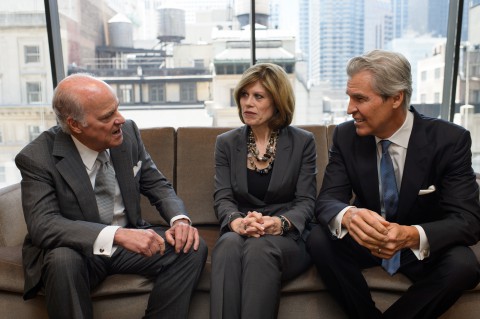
285, 225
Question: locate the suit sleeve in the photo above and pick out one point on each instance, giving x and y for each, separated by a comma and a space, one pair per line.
224, 199
154, 185
301, 208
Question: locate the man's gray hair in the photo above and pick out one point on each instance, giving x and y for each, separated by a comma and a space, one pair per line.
391, 73
66, 104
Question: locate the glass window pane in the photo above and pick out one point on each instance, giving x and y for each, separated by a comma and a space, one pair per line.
26, 82
467, 101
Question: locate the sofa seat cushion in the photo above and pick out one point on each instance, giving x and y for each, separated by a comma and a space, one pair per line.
12, 278
123, 284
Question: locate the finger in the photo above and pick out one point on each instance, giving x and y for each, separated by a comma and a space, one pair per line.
160, 243
256, 227
196, 240
169, 237
369, 229
190, 239
181, 234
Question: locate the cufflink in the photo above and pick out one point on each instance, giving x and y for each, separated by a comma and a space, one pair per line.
102, 250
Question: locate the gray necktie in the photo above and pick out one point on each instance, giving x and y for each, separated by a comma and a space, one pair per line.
390, 200
105, 188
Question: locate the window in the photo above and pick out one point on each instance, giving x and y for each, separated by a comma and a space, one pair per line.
32, 54
423, 98
33, 132
201, 65
3, 175
125, 93
157, 92
34, 92
424, 75
188, 92
436, 97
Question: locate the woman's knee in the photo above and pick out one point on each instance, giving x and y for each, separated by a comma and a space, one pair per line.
229, 244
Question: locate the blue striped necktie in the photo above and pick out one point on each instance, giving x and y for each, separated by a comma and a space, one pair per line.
390, 200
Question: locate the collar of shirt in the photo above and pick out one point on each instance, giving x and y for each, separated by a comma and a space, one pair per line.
88, 155
402, 135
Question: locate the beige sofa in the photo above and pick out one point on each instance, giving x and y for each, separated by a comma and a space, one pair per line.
185, 156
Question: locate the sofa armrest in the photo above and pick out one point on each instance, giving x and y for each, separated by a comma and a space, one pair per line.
12, 223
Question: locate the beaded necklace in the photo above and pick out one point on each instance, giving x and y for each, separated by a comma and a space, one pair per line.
269, 155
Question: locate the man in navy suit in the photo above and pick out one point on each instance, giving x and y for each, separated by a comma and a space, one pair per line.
70, 247
437, 214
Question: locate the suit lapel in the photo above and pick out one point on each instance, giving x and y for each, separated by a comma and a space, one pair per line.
239, 161
75, 175
367, 173
282, 158
416, 164
123, 166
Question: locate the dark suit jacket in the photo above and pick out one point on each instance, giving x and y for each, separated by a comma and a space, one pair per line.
292, 188
59, 202
438, 154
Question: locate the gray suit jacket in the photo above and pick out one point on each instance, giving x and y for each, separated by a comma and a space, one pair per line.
438, 154
292, 188
59, 202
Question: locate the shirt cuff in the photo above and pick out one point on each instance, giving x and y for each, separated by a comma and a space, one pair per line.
335, 224
180, 217
103, 245
423, 250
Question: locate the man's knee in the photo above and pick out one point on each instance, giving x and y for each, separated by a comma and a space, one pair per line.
319, 244
461, 268
64, 260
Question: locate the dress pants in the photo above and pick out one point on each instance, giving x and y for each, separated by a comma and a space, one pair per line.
247, 274
69, 276
438, 281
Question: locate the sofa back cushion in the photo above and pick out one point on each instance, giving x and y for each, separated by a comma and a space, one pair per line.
12, 223
196, 170
321, 140
160, 144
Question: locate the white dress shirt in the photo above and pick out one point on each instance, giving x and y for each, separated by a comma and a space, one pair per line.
103, 245
398, 153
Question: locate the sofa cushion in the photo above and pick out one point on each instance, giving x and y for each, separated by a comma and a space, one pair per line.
12, 223
196, 171
160, 144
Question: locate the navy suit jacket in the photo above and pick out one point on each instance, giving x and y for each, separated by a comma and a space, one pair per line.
292, 188
438, 154
59, 202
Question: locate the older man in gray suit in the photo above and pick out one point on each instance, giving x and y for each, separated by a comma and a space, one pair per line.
73, 243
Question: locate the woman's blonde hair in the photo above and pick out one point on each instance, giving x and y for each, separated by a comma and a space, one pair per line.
275, 80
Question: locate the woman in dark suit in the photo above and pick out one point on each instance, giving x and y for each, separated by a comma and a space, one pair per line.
265, 189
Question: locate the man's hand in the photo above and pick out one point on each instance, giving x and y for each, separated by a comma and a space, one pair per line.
399, 237
145, 242
182, 236
366, 227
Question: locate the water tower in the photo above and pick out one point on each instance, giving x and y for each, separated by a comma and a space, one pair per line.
171, 25
242, 12
120, 30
